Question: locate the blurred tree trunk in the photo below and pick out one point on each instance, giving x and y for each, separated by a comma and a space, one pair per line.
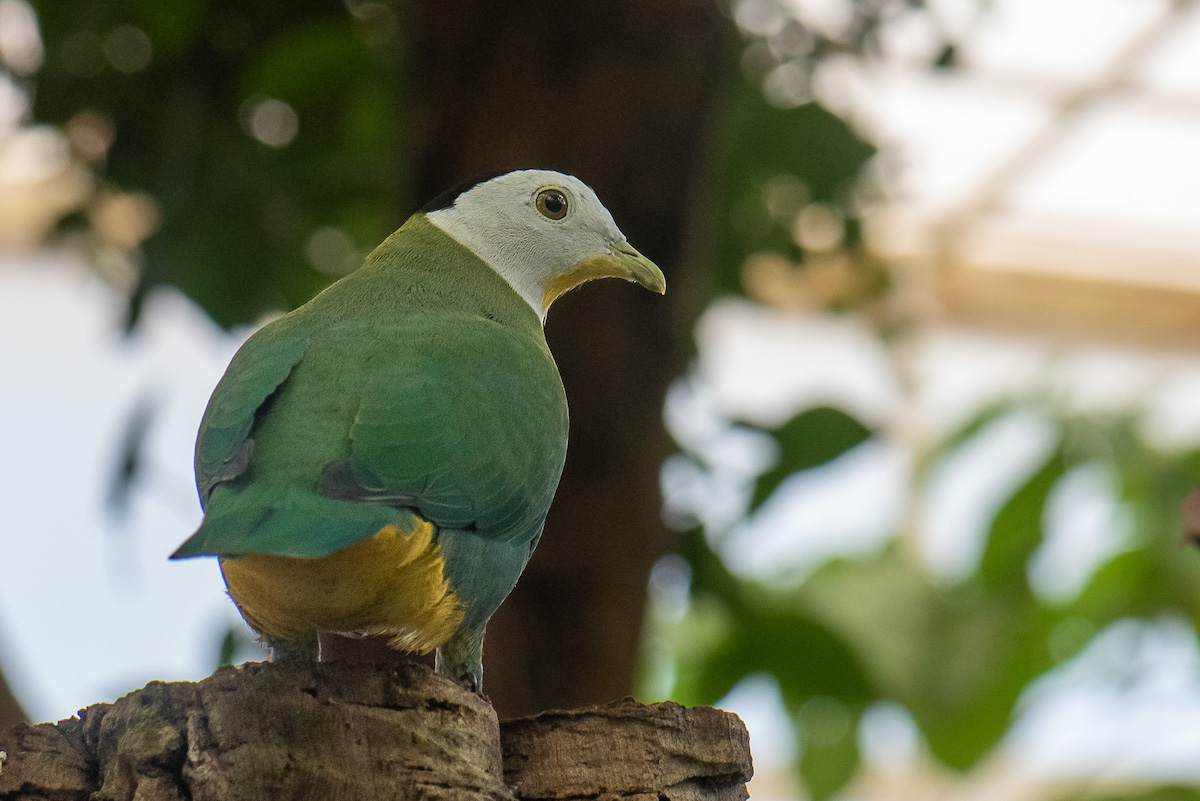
10, 710
625, 95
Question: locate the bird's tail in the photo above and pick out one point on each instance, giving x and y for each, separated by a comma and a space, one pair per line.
265, 520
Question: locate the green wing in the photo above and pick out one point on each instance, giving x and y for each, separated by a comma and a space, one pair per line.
458, 418
470, 430
253, 510
224, 445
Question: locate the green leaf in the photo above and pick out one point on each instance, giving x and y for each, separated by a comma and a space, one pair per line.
961, 737
1017, 529
717, 674
830, 757
956, 657
961, 734
810, 439
806, 657
767, 632
1125, 585
173, 26
978, 421
228, 647
709, 574
314, 60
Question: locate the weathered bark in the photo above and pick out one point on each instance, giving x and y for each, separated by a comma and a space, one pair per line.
349, 732
624, 94
659, 752
270, 731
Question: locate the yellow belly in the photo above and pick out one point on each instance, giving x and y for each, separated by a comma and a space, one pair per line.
392, 583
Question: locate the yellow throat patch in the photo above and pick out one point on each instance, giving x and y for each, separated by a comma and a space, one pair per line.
587, 270
391, 583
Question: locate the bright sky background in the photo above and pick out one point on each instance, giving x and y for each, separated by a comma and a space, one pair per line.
1083, 115
90, 608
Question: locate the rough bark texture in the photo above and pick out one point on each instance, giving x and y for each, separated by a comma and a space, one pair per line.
346, 732
661, 752
625, 95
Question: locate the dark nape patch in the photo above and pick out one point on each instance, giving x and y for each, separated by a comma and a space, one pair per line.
445, 199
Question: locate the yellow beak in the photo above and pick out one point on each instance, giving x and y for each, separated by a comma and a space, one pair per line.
633, 266
621, 261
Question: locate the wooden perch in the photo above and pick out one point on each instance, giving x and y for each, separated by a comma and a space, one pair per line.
349, 731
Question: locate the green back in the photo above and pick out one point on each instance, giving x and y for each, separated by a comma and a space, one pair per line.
420, 382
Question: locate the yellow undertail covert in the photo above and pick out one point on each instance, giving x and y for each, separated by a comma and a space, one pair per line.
392, 583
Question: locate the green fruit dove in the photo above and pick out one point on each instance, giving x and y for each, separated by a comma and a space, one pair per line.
381, 460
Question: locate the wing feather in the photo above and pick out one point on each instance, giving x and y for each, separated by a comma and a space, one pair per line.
470, 429
224, 444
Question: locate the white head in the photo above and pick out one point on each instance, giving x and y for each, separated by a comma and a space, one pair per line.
545, 233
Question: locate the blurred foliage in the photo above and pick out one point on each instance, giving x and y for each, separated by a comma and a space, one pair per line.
272, 138
237, 645
809, 439
957, 655
228, 647
199, 99
805, 154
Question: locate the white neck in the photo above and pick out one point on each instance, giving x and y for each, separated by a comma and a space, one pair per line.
498, 222
498, 245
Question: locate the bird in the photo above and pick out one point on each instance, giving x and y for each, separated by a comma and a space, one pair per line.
381, 460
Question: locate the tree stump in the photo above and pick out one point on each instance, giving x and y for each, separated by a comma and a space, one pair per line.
346, 732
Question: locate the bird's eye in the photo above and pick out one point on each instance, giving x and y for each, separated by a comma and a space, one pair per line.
552, 203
